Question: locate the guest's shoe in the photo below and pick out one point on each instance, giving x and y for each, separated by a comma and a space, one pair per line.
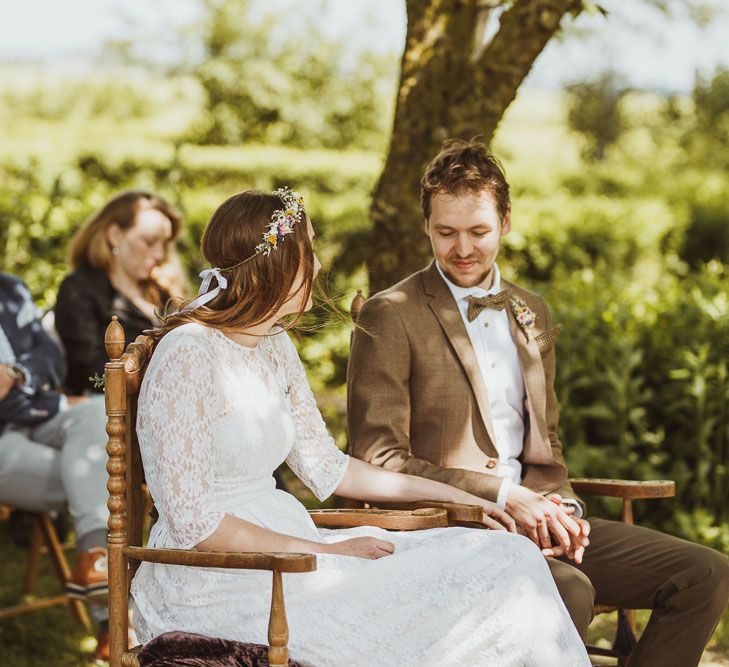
101, 655
90, 576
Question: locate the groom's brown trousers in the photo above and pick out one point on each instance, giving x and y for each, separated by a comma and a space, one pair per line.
686, 585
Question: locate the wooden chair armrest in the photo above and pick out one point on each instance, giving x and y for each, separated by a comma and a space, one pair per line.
390, 519
458, 513
625, 488
280, 562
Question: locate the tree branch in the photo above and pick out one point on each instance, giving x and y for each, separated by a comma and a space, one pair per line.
525, 29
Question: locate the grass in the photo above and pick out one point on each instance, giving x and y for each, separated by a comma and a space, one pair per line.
46, 637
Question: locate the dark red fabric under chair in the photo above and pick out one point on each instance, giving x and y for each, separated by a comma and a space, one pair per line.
184, 649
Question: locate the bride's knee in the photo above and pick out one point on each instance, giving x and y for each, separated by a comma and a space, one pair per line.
523, 548
526, 546
518, 547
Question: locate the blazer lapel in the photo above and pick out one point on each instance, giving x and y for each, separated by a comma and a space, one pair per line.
534, 381
445, 309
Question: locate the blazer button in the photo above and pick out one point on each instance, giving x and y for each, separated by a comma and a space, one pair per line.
491, 463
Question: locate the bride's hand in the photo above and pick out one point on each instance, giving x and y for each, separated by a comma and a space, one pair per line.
361, 547
496, 518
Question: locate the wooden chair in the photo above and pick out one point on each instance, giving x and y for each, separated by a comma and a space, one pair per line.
123, 377
44, 541
627, 490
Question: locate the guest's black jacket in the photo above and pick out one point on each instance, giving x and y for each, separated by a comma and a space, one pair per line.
24, 343
86, 302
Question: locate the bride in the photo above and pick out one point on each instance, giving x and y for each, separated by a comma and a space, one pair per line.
224, 401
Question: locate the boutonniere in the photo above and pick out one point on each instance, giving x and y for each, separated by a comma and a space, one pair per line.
524, 315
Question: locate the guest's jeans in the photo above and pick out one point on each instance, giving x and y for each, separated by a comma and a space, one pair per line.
61, 461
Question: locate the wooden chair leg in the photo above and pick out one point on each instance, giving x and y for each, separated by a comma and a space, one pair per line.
630, 615
118, 605
58, 558
35, 605
625, 637
278, 629
36, 546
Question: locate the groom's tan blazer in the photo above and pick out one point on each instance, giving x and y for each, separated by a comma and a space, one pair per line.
417, 401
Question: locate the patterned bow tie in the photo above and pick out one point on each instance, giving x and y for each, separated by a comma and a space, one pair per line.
477, 304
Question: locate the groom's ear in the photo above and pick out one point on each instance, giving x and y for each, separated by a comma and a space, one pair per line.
506, 223
426, 228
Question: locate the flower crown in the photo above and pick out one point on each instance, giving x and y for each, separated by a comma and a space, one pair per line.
283, 221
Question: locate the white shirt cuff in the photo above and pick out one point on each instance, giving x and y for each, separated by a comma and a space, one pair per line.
573, 503
503, 492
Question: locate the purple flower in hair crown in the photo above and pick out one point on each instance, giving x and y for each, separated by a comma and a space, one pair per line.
524, 315
283, 220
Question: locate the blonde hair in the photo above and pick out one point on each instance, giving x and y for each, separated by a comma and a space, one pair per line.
90, 246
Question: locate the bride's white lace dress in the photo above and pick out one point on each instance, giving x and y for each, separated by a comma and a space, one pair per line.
215, 420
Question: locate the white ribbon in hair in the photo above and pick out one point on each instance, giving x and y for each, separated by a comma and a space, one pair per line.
203, 295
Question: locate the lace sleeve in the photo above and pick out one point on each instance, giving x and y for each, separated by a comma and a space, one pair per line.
314, 458
176, 423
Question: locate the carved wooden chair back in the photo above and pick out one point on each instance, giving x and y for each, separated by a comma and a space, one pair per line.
123, 378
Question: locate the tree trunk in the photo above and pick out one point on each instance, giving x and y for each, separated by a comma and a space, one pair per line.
449, 88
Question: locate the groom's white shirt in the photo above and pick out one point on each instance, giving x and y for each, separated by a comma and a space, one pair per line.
498, 361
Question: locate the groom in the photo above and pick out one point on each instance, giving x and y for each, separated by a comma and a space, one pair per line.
451, 376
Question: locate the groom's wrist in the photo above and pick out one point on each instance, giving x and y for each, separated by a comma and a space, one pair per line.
571, 502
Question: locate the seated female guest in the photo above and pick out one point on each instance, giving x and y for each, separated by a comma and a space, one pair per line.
123, 264
224, 401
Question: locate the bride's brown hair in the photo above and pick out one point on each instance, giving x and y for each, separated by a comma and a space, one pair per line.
259, 287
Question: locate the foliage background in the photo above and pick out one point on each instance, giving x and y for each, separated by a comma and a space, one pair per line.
620, 215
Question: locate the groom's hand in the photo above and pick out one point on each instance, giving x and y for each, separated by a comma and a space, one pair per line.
576, 551
542, 519
578, 543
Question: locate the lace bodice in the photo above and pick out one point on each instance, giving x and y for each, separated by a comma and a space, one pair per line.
216, 418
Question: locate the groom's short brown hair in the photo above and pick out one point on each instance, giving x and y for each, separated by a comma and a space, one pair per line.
464, 167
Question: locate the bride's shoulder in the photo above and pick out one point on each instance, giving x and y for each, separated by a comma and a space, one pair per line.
186, 336
278, 342
189, 331
184, 352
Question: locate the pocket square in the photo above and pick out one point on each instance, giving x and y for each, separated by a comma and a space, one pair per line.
546, 340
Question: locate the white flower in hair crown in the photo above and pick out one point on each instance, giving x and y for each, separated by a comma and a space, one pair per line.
283, 220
